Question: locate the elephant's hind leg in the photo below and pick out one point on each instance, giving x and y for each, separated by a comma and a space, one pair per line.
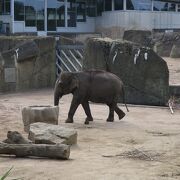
119, 112
87, 110
111, 112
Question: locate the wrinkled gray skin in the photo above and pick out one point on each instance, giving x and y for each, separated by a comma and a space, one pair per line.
94, 86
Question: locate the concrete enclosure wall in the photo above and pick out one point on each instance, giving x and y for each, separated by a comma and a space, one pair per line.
144, 73
145, 20
26, 63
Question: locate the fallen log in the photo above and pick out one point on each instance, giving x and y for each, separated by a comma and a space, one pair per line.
57, 151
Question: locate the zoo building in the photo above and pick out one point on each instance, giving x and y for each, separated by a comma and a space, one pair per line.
42, 17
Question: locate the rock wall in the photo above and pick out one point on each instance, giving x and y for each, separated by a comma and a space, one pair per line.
138, 36
144, 73
26, 63
114, 32
167, 44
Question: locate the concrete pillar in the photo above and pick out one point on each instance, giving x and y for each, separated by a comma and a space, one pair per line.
12, 17
152, 5
124, 5
45, 14
66, 14
112, 5
176, 7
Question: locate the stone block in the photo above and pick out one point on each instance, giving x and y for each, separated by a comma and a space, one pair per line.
46, 114
43, 133
144, 73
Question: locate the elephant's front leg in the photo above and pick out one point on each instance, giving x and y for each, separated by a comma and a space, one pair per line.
74, 105
111, 113
87, 110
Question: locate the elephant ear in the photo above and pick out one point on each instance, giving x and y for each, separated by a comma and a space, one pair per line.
74, 83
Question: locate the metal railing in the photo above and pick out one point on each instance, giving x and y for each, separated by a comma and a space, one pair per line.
69, 58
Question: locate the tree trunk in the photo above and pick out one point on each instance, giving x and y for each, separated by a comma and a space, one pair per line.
58, 151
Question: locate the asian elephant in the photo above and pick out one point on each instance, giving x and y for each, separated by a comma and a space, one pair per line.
93, 85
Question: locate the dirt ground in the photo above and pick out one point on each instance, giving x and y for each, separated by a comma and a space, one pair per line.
145, 145
174, 70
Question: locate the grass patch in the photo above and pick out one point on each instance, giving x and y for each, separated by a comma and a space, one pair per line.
6, 174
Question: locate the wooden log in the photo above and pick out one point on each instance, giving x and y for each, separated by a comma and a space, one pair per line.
58, 151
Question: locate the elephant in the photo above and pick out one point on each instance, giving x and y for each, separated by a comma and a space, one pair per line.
92, 85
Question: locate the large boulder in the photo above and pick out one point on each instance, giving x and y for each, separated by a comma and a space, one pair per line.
163, 49
14, 137
43, 133
144, 73
164, 42
138, 36
19, 52
175, 52
46, 114
174, 90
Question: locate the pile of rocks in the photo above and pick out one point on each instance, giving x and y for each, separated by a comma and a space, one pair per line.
45, 139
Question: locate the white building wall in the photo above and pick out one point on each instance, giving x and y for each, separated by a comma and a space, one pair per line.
139, 20
82, 27
19, 26
7, 19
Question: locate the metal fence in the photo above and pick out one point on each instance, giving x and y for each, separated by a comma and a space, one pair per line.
69, 58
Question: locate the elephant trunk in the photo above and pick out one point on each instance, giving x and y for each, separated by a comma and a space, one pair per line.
57, 96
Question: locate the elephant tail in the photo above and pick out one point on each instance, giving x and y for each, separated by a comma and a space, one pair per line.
124, 99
